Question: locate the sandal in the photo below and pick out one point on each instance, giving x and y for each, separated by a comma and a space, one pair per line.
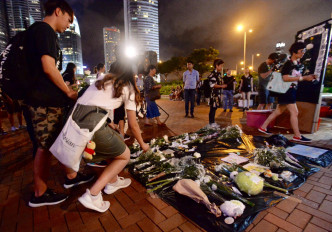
161, 124
147, 124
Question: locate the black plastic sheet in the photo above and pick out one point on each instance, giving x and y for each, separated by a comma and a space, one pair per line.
323, 160
200, 215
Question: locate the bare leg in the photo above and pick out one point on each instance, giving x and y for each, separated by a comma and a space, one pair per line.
260, 107
276, 113
243, 94
294, 119
248, 97
20, 118
268, 106
110, 173
11, 119
41, 169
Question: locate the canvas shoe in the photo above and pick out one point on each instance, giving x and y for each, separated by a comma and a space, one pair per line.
302, 139
13, 128
79, 179
48, 198
100, 164
265, 131
119, 184
94, 202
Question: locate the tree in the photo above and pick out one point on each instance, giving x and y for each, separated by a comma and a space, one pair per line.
203, 58
175, 64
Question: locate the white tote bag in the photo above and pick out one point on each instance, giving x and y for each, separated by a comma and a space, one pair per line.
277, 84
71, 142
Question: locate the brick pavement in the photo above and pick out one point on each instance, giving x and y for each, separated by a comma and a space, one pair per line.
132, 209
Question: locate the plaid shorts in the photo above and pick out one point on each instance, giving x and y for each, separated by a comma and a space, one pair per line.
47, 124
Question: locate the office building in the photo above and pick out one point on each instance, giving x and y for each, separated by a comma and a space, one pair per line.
111, 41
142, 25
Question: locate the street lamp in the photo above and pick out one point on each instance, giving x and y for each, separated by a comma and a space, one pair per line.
240, 28
252, 59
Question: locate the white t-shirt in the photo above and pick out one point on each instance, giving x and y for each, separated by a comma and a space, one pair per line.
104, 98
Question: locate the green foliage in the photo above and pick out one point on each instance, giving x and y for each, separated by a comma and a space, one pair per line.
166, 89
176, 63
328, 78
203, 59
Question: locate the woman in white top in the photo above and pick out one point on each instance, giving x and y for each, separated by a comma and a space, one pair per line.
108, 93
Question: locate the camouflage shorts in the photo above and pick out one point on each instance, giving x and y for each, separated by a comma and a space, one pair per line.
47, 124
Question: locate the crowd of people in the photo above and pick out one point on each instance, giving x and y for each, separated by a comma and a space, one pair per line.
118, 94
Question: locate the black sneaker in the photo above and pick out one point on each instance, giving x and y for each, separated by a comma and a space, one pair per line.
192, 116
48, 198
225, 110
100, 164
230, 110
79, 179
302, 139
186, 116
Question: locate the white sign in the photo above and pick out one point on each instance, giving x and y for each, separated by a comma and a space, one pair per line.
280, 45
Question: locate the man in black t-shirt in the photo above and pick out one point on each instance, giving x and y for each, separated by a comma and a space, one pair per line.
47, 97
264, 75
228, 92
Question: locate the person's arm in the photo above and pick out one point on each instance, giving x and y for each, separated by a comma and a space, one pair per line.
131, 114
266, 74
288, 78
156, 86
234, 86
241, 81
252, 84
184, 78
48, 64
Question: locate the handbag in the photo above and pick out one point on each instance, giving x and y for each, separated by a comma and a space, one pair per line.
153, 94
69, 146
277, 84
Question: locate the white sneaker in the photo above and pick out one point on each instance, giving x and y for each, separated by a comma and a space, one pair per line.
119, 184
13, 128
94, 202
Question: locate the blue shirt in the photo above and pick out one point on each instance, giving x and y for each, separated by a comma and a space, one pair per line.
190, 79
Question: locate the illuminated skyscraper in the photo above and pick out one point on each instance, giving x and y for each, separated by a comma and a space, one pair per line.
141, 24
21, 14
70, 44
111, 40
3, 27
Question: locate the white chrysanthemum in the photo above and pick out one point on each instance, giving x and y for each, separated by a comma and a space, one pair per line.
197, 155
214, 187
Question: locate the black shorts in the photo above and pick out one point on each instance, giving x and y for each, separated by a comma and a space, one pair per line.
288, 98
109, 144
119, 114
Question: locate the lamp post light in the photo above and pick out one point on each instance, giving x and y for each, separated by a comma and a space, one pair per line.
252, 59
240, 28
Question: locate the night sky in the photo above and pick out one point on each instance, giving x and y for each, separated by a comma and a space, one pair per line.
188, 24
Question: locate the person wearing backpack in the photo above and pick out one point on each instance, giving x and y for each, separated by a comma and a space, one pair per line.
47, 97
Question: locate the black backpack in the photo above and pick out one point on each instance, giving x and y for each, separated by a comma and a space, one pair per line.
14, 72
206, 88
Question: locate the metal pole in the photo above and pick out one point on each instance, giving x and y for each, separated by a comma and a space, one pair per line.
244, 49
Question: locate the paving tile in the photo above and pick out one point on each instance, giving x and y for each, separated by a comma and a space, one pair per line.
281, 230
189, 227
278, 212
326, 207
306, 187
326, 186
326, 180
169, 211
287, 205
132, 228
281, 223
176, 230
315, 196
154, 214
117, 210
328, 197
131, 219
260, 216
157, 202
147, 225
317, 174
264, 226
109, 223
172, 222
312, 228
315, 212
299, 218
249, 228
323, 190
300, 193
321, 223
